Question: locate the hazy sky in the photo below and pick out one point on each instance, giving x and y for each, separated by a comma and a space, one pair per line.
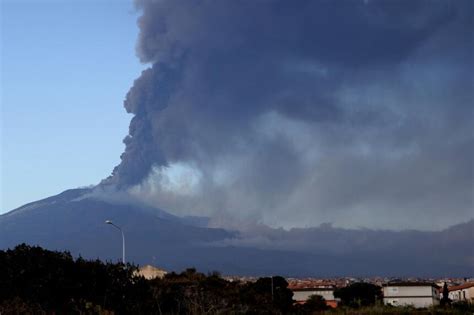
288, 113
66, 67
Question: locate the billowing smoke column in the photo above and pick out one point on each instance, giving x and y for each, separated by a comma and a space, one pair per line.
298, 112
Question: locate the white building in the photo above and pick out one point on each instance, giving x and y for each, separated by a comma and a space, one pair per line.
416, 294
301, 295
149, 272
462, 293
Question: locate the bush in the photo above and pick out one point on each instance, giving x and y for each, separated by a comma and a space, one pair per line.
38, 281
359, 294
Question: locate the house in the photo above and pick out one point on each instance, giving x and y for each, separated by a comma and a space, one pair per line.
149, 272
301, 295
462, 293
416, 294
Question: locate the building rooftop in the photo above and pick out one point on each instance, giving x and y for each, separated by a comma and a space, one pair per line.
411, 284
462, 286
302, 289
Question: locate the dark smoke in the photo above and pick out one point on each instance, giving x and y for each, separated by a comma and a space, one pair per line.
301, 112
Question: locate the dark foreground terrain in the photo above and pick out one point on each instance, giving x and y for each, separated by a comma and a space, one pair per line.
38, 281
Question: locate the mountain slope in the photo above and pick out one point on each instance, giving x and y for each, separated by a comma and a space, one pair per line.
72, 221
68, 222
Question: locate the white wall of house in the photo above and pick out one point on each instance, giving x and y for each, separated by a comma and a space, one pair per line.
466, 294
416, 295
328, 295
410, 301
409, 291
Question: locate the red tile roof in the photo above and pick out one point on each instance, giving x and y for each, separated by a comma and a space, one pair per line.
462, 286
411, 284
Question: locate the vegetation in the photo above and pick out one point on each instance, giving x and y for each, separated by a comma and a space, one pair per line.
315, 304
359, 294
38, 281
445, 300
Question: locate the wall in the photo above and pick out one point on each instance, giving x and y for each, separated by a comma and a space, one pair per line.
418, 296
408, 291
414, 301
304, 295
463, 295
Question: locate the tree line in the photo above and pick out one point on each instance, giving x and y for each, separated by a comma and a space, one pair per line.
38, 281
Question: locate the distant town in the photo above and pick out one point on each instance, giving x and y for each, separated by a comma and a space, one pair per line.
412, 291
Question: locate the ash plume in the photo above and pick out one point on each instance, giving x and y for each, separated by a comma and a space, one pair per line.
295, 113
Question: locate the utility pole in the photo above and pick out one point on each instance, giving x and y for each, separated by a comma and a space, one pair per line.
272, 288
123, 238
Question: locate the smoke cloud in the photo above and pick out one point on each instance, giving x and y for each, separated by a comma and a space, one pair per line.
294, 113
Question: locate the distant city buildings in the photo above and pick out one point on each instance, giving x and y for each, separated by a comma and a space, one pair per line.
415, 292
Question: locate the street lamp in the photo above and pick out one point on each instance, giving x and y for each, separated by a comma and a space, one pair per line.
123, 238
272, 289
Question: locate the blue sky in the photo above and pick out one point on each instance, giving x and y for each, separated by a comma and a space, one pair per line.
66, 67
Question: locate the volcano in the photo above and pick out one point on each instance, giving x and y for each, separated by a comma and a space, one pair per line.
75, 221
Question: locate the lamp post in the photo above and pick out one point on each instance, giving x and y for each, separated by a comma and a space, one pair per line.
123, 238
272, 289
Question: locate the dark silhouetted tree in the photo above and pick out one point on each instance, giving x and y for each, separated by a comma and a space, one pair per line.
359, 294
315, 303
445, 300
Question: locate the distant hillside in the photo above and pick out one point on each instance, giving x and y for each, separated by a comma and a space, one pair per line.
72, 221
